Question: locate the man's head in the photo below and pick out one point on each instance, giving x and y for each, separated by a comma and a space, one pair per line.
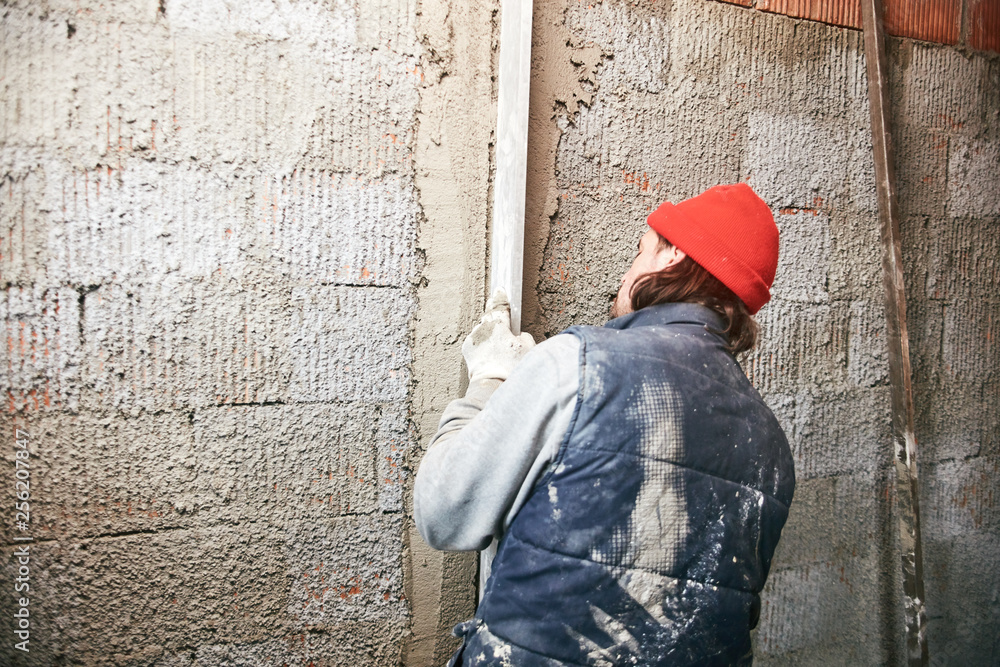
719, 249
653, 254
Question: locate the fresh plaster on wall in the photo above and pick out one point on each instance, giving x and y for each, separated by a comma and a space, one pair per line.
452, 157
562, 79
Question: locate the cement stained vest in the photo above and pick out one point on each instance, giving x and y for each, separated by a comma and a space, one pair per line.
649, 538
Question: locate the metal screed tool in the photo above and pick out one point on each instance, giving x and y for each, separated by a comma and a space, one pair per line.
507, 240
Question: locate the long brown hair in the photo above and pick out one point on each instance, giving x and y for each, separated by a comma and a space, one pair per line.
687, 281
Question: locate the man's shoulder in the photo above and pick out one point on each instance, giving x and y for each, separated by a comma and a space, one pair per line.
562, 348
667, 334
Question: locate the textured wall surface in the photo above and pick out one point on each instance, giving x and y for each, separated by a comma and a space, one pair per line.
690, 94
948, 114
453, 153
209, 266
241, 242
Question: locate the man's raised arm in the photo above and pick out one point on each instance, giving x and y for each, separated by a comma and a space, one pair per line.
494, 443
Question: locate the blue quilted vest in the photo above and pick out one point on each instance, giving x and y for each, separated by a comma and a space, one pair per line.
649, 538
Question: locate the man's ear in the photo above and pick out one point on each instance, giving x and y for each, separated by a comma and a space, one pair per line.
668, 255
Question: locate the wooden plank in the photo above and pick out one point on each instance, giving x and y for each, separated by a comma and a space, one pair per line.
901, 389
507, 242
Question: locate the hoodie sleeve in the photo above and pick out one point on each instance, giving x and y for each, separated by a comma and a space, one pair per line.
492, 446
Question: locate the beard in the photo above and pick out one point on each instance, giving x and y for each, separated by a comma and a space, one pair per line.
619, 307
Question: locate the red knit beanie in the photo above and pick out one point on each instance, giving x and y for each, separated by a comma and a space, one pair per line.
730, 232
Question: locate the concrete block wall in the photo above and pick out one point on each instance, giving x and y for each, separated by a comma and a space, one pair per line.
210, 268
948, 110
690, 94
241, 243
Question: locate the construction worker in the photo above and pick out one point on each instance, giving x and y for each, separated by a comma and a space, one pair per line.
636, 481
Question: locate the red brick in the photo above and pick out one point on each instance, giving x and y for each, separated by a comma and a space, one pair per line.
984, 25
838, 12
929, 20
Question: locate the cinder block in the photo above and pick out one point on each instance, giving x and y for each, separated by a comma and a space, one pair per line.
349, 344
348, 645
181, 343
780, 630
803, 258
916, 245
833, 433
805, 162
856, 260
207, 246
37, 89
297, 462
216, 19
590, 244
963, 611
135, 11
944, 88
868, 349
123, 600
24, 226
973, 171
829, 612
958, 498
961, 259
920, 155
340, 83
969, 346
184, 343
833, 517
97, 474
393, 441
101, 474
347, 570
822, 613
328, 228
834, 575
834, 346
795, 66
648, 149
800, 344
957, 418
349, 109
290, 85
925, 327
128, 225
97, 89
638, 37
40, 350
959, 526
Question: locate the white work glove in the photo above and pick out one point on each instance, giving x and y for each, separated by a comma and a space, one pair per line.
492, 350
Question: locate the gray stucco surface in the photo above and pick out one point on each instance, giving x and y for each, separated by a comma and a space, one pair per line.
208, 259
241, 242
